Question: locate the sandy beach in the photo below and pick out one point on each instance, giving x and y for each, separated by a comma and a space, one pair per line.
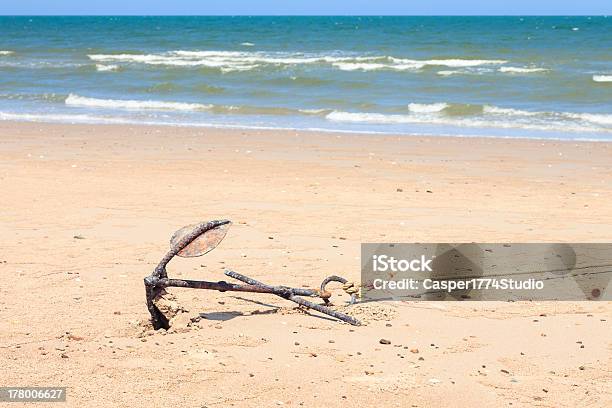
87, 212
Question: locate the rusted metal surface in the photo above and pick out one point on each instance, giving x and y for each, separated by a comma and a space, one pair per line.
203, 243
293, 294
345, 285
199, 239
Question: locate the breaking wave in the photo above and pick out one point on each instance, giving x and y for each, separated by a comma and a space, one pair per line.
106, 68
417, 113
143, 105
482, 116
448, 73
602, 78
75, 100
427, 107
228, 61
522, 70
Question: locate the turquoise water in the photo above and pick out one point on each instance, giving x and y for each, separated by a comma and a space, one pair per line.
546, 77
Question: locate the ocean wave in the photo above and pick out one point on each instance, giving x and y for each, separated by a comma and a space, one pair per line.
489, 117
475, 70
247, 44
363, 117
81, 101
602, 78
403, 64
229, 61
226, 60
427, 107
508, 111
317, 112
522, 70
62, 118
139, 105
441, 113
333, 116
107, 68
15, 63
461, 63
599, 118
365, 66
6, 52
46, 97
448, 73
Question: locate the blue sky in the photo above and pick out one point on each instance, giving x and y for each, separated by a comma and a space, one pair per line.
317, 7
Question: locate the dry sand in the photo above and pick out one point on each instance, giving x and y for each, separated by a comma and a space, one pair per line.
86, 212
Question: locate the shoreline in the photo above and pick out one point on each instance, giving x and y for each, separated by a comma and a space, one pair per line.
309, 130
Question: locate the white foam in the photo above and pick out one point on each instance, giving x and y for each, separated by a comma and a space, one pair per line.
333, 116
247, 44
508, 111
597, 118
522, 70
448, 73
75, 100
339, 116
201, 54
226, 61
602, 78
314, 111
427, 107
403, 64
238, 68
61, 118
361, 66
152, 59
375, 66
106, 68
6, 52
461, 63
492, 117
242, 60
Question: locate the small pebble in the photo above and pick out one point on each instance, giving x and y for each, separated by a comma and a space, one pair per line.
384, 341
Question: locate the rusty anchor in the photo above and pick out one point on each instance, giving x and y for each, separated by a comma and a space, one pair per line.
199, 239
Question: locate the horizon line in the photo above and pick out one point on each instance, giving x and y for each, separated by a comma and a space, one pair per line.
304, 15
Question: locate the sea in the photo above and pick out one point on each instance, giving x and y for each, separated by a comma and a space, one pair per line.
525, 77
